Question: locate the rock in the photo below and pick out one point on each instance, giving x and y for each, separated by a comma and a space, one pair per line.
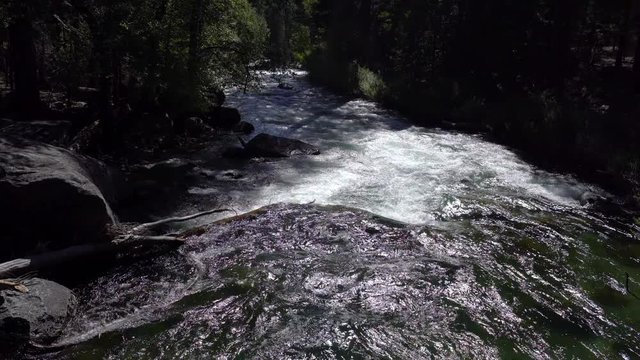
464, 126
39, 315
194, 126
225, 118
216, 96
87, 139
232, 174
58, 105
52, 198
285, 86
244, 127
265, 145
589, 198
49, 132
164, 172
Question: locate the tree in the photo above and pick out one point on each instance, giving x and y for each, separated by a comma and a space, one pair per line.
624, 34
22, 57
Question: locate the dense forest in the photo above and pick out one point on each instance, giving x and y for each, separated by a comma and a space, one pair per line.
559, 80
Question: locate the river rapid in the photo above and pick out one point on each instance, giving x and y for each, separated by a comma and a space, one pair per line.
397, 242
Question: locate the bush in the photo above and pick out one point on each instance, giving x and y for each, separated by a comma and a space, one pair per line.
370, 84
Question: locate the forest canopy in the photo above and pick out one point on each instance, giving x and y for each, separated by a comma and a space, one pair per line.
564, 71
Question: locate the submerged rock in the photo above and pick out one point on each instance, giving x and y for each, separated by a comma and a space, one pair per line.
52, 198
194, 126
39, 315
167, 171
265, 145
285, 86
244, 127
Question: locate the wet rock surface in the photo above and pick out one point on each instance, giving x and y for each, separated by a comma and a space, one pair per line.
244, 127
265, 145
40, 315
52, 198
304, 281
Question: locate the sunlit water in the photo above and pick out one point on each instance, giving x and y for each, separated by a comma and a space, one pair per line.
471, 253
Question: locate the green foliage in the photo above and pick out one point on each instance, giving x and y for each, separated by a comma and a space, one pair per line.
163, 51
370, 84
301, 44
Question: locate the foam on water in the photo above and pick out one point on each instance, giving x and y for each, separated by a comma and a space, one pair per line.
375, 160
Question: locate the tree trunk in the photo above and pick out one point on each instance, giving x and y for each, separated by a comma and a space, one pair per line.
624, 35
564, 19
195, 42
366, 32
22, 59
636, 61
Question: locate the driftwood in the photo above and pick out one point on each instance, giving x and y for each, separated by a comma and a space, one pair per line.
19, 267
13, 285
148, 226
133, 238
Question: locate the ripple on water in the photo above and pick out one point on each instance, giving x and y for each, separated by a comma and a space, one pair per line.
329, 282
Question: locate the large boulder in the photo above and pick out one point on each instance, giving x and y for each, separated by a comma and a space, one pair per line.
52, 198
39, 315
265, 145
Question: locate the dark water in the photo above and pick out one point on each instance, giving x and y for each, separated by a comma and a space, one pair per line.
471, 253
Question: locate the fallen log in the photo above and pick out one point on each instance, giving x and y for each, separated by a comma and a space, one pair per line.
19, 267
148, 226
13, 285
131, 239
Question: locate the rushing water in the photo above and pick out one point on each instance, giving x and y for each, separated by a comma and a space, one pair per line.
471, 253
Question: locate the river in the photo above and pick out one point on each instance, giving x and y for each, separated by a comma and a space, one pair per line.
458, 249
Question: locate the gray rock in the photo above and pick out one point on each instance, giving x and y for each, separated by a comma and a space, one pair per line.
244, 127
194, 126
285, 86
52, 198
153, 178
39, 315
232, 174
265, 145
170, 168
